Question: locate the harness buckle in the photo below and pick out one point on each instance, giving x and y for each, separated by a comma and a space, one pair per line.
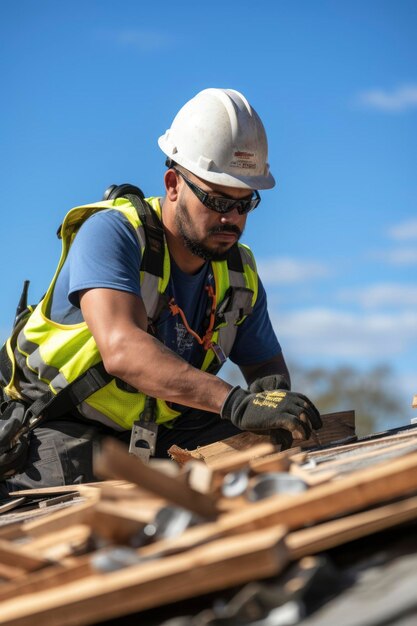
220, 355
143, 440
144, 432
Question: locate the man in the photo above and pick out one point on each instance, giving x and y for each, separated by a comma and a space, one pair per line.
162, 333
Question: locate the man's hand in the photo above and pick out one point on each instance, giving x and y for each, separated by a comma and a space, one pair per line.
285, 415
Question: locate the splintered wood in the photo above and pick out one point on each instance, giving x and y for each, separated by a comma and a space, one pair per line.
169, 531
336, 427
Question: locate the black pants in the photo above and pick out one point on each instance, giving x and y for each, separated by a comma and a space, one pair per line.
61, 451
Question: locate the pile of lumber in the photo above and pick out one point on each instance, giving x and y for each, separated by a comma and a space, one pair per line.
154, 534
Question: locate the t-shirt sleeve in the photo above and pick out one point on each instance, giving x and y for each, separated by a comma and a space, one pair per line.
105, 253
256, 340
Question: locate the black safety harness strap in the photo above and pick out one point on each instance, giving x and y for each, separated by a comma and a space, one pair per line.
153, 256
145, 430
53, 405
50, 406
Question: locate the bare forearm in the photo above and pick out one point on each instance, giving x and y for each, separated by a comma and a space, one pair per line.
149, 366
134, 356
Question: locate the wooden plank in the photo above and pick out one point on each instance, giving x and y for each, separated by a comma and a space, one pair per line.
217, 452
119, 524
368, 443
48, 578
123, 490
9, 572
336, 426
13, 503
277, 462
359, 490
181, 456
348, 494
190, 538
310, 478
114, 461
62, 543
241, 459
209, 478
110, 522
34, 513
75, 514
350, 460
12, 531
201, 477
219, 565
337, 532
66, 497
20, 557
85, 489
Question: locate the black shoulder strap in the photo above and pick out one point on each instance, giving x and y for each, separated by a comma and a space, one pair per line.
234, 260
153, 258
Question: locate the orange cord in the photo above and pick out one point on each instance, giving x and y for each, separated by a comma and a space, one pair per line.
206, 340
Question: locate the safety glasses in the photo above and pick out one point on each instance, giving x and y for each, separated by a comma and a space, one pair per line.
220, 204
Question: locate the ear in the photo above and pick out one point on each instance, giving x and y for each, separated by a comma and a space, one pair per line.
171, 180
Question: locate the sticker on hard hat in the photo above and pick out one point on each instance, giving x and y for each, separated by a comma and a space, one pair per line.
243, 160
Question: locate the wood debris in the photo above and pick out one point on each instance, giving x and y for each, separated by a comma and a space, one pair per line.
237, 511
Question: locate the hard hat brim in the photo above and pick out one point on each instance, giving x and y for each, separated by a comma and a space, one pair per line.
216, 176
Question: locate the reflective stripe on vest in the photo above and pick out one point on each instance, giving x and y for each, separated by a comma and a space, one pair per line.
59, 353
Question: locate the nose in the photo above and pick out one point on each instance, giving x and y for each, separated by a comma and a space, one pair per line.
232, 217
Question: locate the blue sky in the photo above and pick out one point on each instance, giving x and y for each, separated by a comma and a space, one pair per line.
88, 87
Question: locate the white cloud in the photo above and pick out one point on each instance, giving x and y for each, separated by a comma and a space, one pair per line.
404, 230
399, 256
285, 270
325, 332
383, 294
400, 99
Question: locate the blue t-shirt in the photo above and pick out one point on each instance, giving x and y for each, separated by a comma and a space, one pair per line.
106, 253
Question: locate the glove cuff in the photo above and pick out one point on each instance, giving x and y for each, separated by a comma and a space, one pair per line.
227, 406
269, 383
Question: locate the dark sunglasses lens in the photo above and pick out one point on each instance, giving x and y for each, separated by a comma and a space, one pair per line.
225, 205
222, 205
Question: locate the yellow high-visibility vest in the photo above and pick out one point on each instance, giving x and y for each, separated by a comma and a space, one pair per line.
60, 353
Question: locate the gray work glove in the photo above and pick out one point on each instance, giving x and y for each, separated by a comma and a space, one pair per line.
282, 414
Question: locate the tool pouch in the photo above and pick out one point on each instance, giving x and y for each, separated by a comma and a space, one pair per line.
14, 438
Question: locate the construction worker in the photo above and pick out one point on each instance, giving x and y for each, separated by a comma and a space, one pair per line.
148, 301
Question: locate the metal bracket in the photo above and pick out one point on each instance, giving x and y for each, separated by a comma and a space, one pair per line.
143, 440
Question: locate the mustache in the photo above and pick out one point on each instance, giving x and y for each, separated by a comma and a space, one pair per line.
227, 228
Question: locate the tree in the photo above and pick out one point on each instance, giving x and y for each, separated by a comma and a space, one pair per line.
371, 394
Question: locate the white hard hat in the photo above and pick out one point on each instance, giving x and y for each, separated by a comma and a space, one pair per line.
220, 138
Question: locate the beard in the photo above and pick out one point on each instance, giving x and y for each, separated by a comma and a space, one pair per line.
200, 246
